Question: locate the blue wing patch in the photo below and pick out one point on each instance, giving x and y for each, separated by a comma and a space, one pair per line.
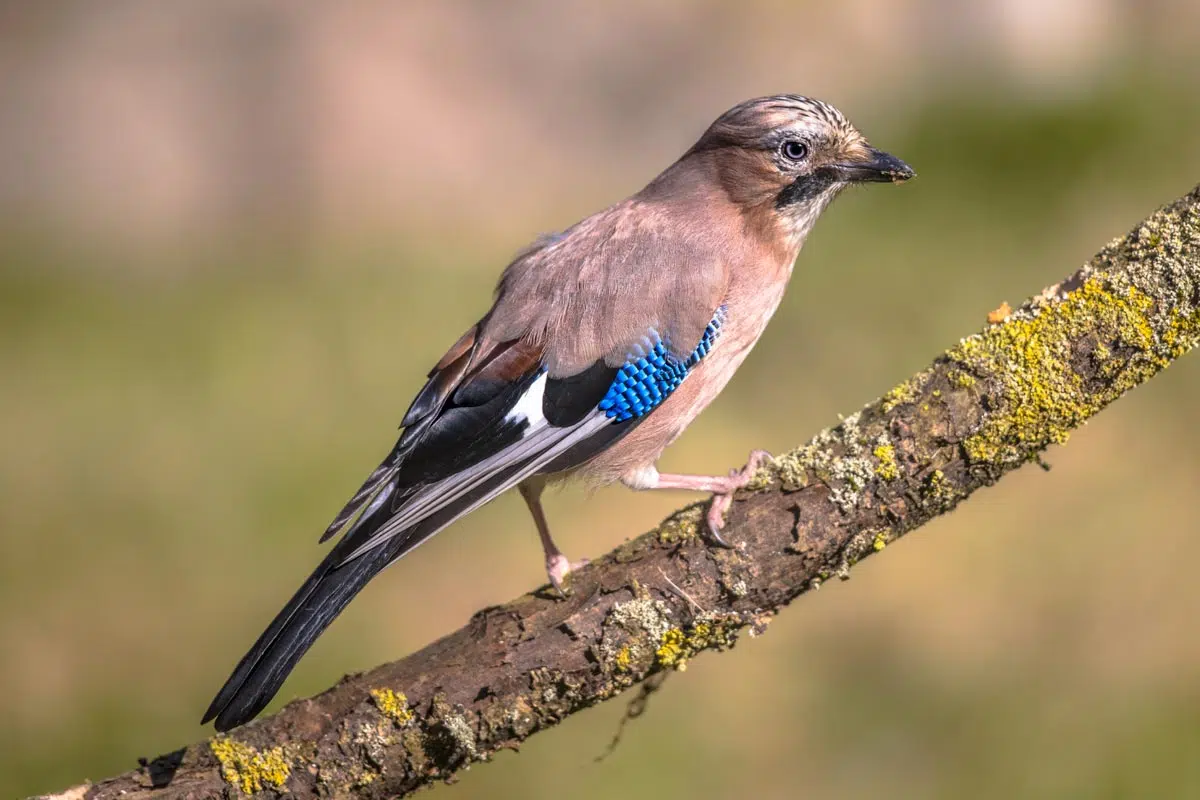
650, 375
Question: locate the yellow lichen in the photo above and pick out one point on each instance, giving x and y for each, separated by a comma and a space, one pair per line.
670, 650
961, 379
887, 468
633, 630
898, 395
1182, 332
246, 768
1031, 359
880, 541
393, 705
682, 526
709, 631
938, 489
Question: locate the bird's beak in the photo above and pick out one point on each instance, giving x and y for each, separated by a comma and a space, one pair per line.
877, 166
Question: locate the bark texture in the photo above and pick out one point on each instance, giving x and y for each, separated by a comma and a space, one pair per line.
985, 406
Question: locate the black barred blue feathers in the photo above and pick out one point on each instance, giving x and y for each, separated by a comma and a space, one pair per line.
648, 378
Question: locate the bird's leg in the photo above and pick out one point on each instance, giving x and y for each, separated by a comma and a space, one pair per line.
557, 565
722, 488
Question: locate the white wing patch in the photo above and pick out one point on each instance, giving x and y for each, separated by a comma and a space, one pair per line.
529, 405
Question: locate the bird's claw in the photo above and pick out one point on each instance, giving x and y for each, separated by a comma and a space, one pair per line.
716, 520
558, 568
721, 501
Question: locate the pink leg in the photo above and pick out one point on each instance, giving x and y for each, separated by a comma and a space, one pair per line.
557, 565
723, 489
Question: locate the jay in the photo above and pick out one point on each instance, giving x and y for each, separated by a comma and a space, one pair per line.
603, 344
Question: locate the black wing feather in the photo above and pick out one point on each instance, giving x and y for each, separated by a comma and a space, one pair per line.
568, 400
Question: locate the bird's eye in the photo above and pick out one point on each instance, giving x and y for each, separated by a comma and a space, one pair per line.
793, 150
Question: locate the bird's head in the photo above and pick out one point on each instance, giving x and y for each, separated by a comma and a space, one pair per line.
784, 158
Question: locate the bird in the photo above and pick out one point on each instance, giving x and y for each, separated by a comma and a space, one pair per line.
604, 341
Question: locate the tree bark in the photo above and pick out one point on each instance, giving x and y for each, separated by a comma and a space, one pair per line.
989, 404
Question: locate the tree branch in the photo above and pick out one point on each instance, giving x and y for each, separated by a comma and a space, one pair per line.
987, 405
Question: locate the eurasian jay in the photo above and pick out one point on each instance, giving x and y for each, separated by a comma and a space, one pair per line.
604, 342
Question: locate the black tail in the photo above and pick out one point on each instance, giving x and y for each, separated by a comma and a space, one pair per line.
327, 591
263, 670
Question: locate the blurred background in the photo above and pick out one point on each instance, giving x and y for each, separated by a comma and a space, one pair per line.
235, 234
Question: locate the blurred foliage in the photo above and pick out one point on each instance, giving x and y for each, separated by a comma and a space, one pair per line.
171, 443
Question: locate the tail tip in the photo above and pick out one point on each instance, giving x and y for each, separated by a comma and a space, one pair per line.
227, 713
211, 713
226, 719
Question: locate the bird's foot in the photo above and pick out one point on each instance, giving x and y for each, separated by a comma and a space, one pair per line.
723, 498
558, 568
